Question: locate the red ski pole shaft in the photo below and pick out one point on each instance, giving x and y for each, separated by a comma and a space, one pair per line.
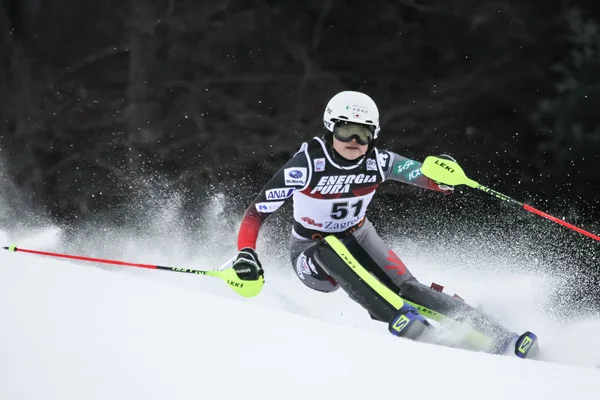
561, 222
527, 207
105, 261
246, 288
450, 173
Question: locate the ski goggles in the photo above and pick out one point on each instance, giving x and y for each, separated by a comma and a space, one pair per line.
346, 131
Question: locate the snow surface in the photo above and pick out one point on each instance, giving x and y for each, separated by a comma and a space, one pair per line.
74, 331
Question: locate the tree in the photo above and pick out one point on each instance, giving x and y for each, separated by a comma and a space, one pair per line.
568, 121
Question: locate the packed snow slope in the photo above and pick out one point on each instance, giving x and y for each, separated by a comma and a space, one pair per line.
75, 331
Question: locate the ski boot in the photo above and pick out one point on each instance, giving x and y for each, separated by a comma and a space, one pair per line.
524, 346
408, 323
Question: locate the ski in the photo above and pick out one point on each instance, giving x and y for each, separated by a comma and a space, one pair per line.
470, 337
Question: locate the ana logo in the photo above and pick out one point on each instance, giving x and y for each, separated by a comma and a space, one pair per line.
371, 165
319, 164
279, 193
295, 176
268, 207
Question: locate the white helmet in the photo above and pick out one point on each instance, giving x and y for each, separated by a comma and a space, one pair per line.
353, 107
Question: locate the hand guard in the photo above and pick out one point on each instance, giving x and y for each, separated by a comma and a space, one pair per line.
246, 265
447, 190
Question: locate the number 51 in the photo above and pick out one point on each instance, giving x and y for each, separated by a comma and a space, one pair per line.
340, 210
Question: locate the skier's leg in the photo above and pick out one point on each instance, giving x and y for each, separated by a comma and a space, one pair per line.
320, 268
377, 257
308, 270
382, 303
327, 271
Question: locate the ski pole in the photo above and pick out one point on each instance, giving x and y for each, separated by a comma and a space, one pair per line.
241, 287
450, 173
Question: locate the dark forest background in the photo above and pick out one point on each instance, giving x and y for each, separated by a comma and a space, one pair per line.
102, 102
95, 95
97, 98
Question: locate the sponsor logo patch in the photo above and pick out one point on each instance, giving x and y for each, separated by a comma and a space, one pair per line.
269, 207
525, 344
341, 183
295, 176
357, 110
340, 226
311, 221
414, 174
395, 264
382, 159
319, 164
302, 267
371, 165
403, 167
279, 193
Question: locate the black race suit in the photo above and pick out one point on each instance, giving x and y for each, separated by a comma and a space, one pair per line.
331, 196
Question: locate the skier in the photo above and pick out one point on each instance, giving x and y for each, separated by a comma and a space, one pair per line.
332, 179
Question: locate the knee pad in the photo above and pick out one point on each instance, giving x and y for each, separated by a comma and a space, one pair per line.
312, 274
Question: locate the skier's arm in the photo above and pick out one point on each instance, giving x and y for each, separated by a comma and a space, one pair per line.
398, 168
272, 196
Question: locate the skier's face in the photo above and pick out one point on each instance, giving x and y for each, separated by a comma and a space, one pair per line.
349, 150
351, 140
